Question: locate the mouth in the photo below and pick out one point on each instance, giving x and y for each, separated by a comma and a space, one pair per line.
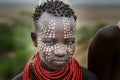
60, 62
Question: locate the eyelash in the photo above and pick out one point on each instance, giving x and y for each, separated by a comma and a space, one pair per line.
54, 42
49, 42
69, 42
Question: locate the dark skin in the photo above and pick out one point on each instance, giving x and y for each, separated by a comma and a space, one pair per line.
59, 54
104, 54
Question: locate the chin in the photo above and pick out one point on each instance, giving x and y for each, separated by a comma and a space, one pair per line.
58, 67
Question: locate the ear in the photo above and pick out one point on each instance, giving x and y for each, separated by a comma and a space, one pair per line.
34, 38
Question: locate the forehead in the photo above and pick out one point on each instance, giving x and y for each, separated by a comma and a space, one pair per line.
49, 24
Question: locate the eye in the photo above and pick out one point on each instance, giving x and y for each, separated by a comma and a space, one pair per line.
69, 42
49, 42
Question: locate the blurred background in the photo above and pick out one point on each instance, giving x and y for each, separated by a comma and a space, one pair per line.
16, 24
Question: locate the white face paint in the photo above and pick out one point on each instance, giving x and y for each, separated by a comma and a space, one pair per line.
46, 31
68, 33
52, 46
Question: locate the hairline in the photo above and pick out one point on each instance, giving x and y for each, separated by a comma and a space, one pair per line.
46, 18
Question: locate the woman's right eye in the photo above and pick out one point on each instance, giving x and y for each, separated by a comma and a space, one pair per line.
49, 42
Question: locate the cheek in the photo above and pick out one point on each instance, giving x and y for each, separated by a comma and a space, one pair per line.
45, 51
71, 49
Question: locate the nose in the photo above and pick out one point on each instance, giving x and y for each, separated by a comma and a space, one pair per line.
60, 52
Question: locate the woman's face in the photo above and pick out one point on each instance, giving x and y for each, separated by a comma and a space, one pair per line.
55, 40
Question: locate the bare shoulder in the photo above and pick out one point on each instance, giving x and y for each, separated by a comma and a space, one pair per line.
87, 75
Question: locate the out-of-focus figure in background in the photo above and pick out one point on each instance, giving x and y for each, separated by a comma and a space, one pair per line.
104, 53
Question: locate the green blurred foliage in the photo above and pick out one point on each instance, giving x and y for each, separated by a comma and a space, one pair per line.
84, 34
15, 45
6, 34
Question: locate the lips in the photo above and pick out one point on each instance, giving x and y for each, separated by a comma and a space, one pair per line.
60, 63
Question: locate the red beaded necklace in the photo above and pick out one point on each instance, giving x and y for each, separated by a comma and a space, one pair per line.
72, 71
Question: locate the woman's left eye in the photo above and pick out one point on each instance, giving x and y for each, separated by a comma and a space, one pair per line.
72, 42
69, 42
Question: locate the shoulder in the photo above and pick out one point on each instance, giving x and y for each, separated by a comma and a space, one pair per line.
105, 35
106, 31
18, 77
87, 75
